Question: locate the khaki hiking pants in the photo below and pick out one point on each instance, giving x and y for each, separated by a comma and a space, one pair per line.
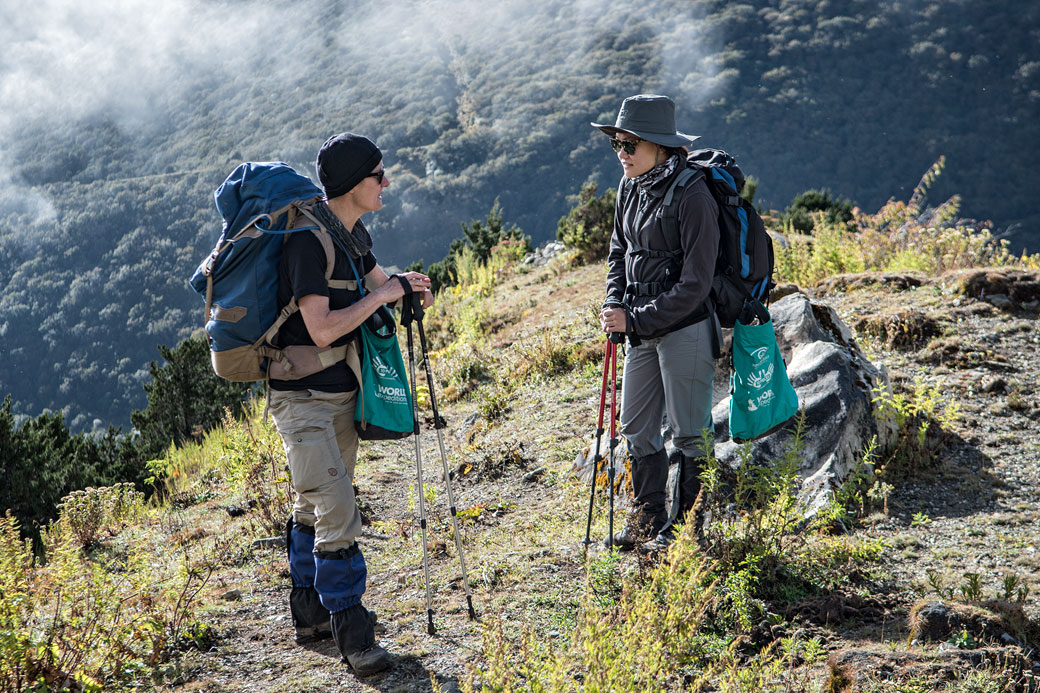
321, 445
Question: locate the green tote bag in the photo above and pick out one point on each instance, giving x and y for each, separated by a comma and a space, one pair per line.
384, 405
761, 396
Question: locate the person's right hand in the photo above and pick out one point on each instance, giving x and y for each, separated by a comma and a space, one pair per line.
392, 290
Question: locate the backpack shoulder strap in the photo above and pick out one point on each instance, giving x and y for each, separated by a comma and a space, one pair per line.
670, 205
680, 180
325, 239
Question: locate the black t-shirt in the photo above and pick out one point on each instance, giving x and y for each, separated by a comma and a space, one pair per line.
302, 273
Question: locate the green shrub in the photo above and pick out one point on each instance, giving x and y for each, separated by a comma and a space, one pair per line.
769, 546
899, 236
86, 512
918, 418
810, 205
478, 239
589, 224
42, 461
68, 621
672, 625
253, 459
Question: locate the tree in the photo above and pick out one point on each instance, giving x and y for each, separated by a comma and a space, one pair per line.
185, 398
41, 461
799, 215
480, 237
589, 224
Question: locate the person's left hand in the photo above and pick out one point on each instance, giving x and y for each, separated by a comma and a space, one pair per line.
427, 299
613, 320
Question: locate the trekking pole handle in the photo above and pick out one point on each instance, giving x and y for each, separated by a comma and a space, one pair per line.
617, 337
411, 302
417, 309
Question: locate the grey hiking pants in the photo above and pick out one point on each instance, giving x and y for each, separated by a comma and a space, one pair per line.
670, 374
317, 429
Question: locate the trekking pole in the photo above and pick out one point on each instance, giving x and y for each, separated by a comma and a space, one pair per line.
615, 339
439, 424
406, 318
598, 457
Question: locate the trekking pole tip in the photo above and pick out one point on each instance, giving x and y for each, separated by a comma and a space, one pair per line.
472, 612
429, 622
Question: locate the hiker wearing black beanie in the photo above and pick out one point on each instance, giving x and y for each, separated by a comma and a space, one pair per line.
315, 414
344, 161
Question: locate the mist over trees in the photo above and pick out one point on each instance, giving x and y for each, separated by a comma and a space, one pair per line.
112, 141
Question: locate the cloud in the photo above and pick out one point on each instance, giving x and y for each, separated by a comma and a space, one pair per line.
135, 63
64, 61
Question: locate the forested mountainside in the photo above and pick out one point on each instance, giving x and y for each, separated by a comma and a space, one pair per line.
118, 124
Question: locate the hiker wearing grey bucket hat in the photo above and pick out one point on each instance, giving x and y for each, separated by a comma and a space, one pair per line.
659, 276
649, 117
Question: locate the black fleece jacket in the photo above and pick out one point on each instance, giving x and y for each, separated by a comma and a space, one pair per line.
637, 223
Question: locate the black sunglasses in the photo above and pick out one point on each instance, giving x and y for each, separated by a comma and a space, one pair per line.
628, 145
378, 175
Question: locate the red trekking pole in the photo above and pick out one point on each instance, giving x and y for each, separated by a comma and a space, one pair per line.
609, 367
599, 436
614, 340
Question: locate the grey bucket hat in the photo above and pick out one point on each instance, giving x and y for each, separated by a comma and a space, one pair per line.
650, 117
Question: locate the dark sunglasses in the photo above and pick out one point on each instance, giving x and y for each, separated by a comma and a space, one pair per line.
378, 175
628, 145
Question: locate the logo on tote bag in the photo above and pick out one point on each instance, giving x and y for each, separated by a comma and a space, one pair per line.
382, 369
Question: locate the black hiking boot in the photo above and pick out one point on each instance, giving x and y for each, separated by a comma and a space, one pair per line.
649, 478
353, 630
636, 531
660, 543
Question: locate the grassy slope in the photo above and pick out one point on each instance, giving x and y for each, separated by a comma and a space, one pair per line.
522, 537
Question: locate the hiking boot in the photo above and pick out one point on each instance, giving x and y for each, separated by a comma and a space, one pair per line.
353, 630
635, 531
660, 543
309, 634
321, 631
649, 478
371, 661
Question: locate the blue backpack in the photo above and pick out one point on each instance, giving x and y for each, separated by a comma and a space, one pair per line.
260, 203
744, 267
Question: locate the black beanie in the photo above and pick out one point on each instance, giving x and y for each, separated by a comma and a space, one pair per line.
344, 161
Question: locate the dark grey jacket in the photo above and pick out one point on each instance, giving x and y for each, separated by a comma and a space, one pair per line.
681, 280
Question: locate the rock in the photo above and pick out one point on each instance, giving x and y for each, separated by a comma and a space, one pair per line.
1001, 301
544, 253
269, 543
534, 474
834, 381
468, 423
583, 461
994, 385
235, 511
1018, 287
933, 621
1009, 639
232, 595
